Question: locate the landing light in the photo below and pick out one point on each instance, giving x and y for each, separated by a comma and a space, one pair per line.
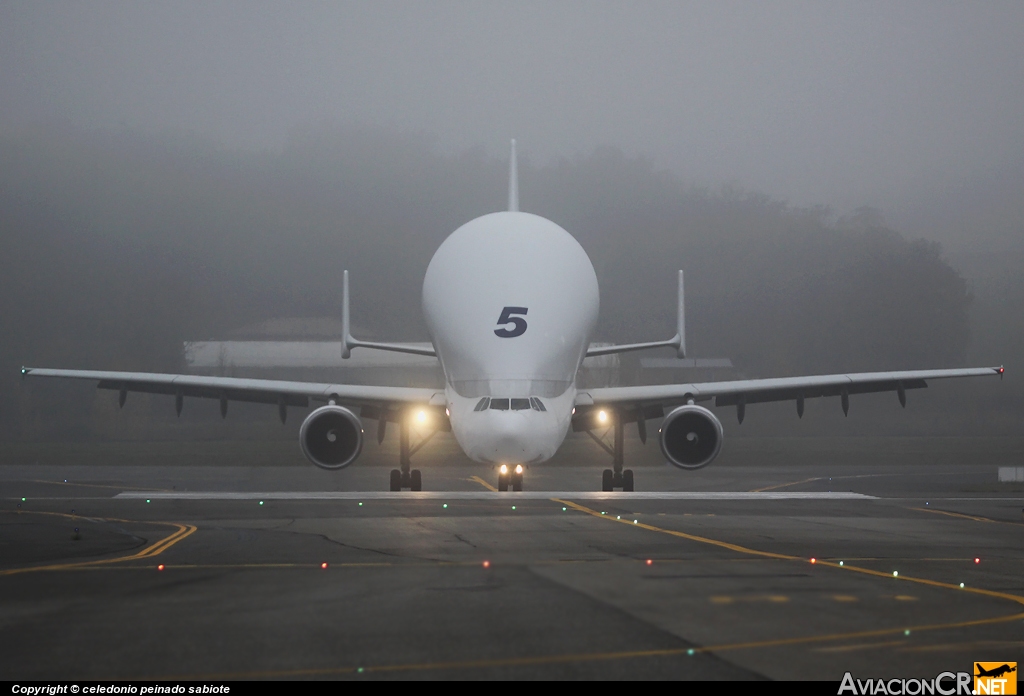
421, 416
503, 469
602, 416
519, 468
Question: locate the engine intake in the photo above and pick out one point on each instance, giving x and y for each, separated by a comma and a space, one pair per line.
691, 437
331, 437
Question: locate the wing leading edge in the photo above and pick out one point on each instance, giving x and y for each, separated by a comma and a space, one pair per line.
282, 393
748, 391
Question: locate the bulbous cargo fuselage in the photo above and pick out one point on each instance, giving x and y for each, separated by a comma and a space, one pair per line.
511, 301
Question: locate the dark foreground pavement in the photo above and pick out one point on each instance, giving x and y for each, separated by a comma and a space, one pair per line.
494, 586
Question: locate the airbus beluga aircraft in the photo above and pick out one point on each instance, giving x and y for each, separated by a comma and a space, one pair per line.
510, 345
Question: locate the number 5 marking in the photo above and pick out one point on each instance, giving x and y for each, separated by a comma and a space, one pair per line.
507, 317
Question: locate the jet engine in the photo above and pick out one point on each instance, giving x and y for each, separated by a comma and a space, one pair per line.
331, 437
691, 437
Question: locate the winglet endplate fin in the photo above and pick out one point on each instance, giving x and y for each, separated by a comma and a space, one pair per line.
513, 180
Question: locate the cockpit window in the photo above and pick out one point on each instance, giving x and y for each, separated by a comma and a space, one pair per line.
482, 404
499, 404
537, 404
521, 404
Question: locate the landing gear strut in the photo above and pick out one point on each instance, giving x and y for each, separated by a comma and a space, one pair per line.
406, 477
508, 477
616, 477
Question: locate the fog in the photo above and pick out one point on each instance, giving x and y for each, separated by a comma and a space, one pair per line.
841, 183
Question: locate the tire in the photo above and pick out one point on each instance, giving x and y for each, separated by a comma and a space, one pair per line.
416, 481
517, 483
396, 480
606, 480
502, 483
627, 480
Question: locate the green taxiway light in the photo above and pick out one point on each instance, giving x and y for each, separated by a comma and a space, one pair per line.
895, 574
147, 500
23, 500
961, 586
906, 632
513, 507
360, 504
840, 562
563, 509
690, 651
261, 502
445, 506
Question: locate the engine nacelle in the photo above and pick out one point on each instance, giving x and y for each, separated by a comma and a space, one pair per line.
691, 437
331, 437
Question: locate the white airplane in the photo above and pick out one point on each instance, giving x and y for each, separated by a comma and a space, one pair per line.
511, 301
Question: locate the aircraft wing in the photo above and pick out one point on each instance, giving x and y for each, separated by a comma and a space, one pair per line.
268, 391
748, 391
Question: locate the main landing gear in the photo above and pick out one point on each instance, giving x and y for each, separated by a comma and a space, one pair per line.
510, 477
406, 477
616, 477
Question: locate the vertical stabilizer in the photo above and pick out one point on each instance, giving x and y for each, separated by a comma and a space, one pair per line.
513, 181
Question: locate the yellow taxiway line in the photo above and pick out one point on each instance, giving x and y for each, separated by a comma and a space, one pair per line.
156, 548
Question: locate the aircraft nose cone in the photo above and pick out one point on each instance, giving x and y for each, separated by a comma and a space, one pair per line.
511, 440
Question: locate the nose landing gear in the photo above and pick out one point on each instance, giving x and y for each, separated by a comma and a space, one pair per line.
508, 477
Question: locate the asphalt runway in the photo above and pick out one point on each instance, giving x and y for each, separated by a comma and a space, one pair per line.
184, 572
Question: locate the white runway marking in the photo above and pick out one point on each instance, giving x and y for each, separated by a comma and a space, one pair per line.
488, 495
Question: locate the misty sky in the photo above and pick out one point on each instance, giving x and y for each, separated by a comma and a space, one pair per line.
843, 104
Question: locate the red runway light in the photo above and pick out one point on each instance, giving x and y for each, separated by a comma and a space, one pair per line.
977, 560
160, 567
487, 564
814, 560
649, 561
324, 565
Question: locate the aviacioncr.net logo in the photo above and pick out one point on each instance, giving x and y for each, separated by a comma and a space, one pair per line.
945, 684
995, 678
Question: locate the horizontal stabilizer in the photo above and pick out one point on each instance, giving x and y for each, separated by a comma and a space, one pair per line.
678, 341
348, 342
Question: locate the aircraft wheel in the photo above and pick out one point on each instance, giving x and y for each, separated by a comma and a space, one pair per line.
396, 480
627, 480
416, 481
606, 480
517, 482
502, 482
